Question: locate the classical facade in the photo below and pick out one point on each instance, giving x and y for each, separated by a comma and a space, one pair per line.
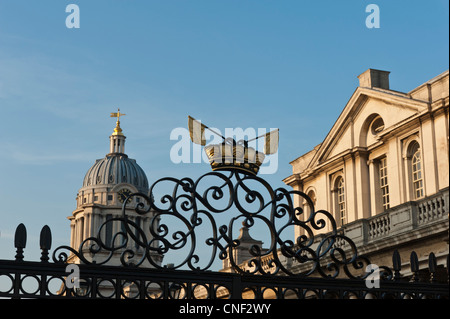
383, 169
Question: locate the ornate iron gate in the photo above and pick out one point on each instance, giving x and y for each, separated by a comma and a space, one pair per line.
127, 265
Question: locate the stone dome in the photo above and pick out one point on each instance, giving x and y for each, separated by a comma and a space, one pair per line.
116, 169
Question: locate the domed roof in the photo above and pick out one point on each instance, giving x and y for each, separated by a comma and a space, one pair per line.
116, 169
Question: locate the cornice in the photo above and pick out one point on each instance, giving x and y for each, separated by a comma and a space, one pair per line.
293, 180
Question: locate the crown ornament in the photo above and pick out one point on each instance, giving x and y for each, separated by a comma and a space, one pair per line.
230, 154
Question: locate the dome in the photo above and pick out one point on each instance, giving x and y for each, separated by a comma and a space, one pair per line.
116, 169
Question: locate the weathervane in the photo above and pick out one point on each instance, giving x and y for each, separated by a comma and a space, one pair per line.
118, 115
117, 129
232, 154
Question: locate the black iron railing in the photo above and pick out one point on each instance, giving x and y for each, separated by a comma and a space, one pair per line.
128, 265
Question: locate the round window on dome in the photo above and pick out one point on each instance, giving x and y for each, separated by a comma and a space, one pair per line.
377, 125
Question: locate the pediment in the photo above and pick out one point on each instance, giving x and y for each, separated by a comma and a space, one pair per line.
364, 106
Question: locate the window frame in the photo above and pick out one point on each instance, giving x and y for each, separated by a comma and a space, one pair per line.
338, 197
341, 207
383, 180
414, 177
417, 174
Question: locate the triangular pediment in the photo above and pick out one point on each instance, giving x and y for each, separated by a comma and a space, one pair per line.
365, 105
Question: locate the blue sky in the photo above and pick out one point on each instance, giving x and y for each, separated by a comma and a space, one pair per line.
287, 64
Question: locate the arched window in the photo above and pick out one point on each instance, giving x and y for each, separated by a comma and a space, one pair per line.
372, 126
307, 210
340, 207
416, 169
414, 164
312, 195
377, 125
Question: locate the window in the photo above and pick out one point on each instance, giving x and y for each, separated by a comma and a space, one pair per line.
417, 174
108, 230
377, 126
384, 186
341, 200
307, 208
81, 223
414, 170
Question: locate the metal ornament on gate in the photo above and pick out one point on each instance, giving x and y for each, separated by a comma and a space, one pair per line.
246, 199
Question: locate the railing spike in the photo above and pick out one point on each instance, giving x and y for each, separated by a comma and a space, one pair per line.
397, 264
20, 241
45, 238
45, 242
414, 266
432, 265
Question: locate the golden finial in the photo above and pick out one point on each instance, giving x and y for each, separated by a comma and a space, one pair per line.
117, 129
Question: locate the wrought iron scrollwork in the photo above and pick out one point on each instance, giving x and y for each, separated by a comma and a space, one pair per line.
241, 199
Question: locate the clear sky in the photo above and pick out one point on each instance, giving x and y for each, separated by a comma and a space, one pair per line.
285, 64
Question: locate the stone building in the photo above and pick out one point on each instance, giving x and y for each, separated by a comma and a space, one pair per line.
106, 186
383, 170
